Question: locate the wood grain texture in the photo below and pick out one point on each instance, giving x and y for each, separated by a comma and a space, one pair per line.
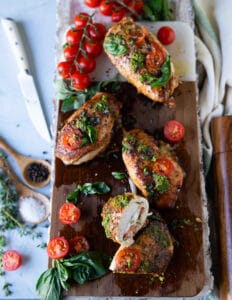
185, 275
222, 162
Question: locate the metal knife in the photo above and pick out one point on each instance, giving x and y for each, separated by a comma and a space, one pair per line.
25, 79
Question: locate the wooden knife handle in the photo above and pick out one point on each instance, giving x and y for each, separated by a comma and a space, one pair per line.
221, 129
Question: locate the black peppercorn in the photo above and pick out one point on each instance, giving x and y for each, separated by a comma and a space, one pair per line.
37, 172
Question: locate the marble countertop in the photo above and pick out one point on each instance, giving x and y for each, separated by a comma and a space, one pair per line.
37, 23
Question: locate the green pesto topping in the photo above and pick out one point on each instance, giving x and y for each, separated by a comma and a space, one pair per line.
162, 184
102, 104
106, 225
145, 151
128, 143
120, 201
159, 233
115, 44
137, 61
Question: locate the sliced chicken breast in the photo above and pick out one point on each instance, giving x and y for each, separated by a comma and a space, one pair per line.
142, 60
153, 170
87, 132
123, 216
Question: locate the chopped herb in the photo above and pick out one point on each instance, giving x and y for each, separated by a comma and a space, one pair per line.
137, 61
119, 175
102, 105
106, 225
145, 151
87, 127
128, 143
120, 201
115, 44
146, 172
162, 184
181, 223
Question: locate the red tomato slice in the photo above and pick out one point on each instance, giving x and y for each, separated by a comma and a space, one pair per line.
166, 35
137, 37
11, 260
71, 138
155, 58
128, 260
69, 213
174, 131
57, 247
163, 166
78, 244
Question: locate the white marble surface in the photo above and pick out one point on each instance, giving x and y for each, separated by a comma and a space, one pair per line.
36, 19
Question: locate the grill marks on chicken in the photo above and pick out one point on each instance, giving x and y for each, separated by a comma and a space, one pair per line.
151, 252
87, 132
142, 60
153, 170
123, 216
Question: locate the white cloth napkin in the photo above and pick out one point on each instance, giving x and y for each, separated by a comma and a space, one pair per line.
214, 51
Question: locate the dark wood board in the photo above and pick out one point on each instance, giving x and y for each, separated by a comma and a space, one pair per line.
186, 274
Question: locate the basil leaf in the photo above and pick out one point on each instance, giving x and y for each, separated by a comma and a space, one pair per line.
48, 285
92, 133
94, 188
115, 45
156, 10
119, 175
63, 275
72, 103
73, 196
158, 81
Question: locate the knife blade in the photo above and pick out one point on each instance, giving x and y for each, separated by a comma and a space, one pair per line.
26, 80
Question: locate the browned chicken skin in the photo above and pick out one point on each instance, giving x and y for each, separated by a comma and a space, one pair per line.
155, 246
87, 132
142, 60
140, 153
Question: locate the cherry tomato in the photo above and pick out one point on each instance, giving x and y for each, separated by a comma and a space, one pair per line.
11, 260
163, 166
81, 20
86, 65
166, 35
174, 131
78, 244
128, 260
65, 69
70, 52
96, 32
106, 7
69, 213
138, 6
74, 36
92, 49
92, 3
155, 58
71, 138
118, 15
57, 247
80, 81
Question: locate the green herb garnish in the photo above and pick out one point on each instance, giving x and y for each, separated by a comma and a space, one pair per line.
162, 184
102, 105
156, 10
87, 126
115, 45
119, 175
137, 61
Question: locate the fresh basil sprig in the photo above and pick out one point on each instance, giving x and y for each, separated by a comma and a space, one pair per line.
115, 45
158, 81
86, 189
81, 268
156, 10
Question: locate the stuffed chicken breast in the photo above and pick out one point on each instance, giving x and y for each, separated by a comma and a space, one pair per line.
87, 132
151, 252
153, 170
123, 216
142, 60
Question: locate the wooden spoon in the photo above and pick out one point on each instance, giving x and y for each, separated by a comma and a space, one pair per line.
26, 194
26, 163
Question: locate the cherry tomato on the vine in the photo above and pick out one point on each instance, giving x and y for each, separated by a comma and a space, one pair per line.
96, 32
174, 131
11, 260
106, 7
78, 244
118, 14
93, 49
65, 69
81, 20
86, 65
138, 6
70, 52
74, 36
92, 3
80, 81
166, 35
69, 213
57, 247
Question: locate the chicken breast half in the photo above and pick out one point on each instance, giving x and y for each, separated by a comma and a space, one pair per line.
151, 252
87, 132
142, 60
152, 169
123, 216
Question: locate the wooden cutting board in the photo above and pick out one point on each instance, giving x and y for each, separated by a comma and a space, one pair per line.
187, 274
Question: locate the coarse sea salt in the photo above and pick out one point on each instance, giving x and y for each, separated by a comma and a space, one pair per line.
32, 210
